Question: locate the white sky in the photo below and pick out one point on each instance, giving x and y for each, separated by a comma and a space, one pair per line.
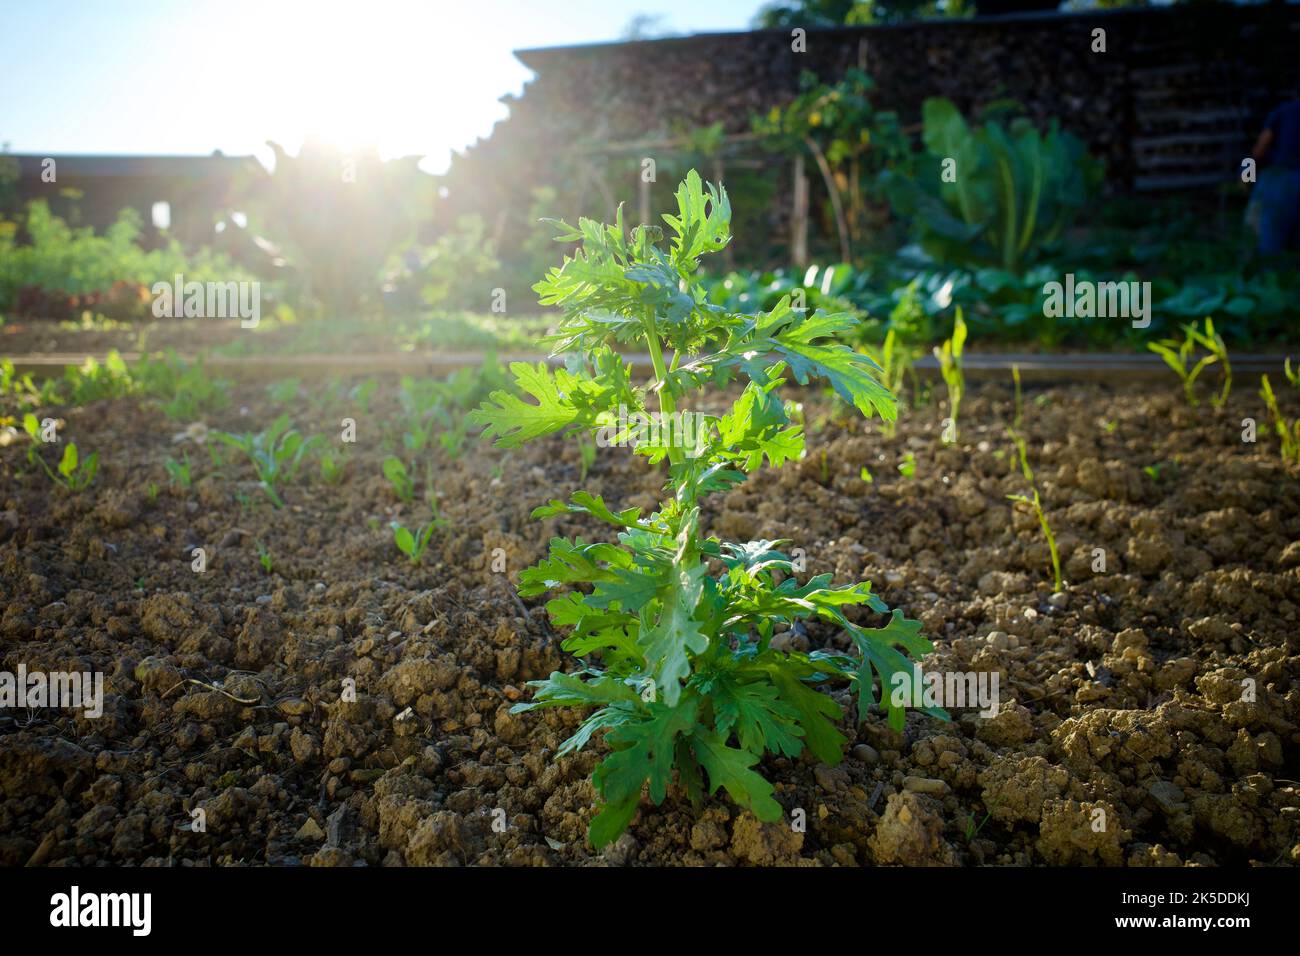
187, 76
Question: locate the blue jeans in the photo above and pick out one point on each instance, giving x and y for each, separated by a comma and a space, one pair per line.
1278, 194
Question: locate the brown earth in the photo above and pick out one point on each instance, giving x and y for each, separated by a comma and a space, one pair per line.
1124, 693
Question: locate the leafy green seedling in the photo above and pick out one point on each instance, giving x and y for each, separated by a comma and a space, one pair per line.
895, 361
179, 471
865, 475
1177, 355
264, 557
399, 478
1022, 454
420, 400
284, 391
32, 427
1037, 505
675, 625
361, 394
413, 544
332, 466
586, 455
1292, 376
949, 356
438, 407
93, 381
185, 390
907, 467
22, 387
74, 474
1213, 342
275, 453
972, 828
1019, 404
1288, 432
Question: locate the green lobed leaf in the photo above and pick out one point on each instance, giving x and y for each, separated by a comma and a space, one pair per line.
667, 640
643, 753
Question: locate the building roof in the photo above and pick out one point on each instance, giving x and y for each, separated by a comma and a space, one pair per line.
82, 165
536, 56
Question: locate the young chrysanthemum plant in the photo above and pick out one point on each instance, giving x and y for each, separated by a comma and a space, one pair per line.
675, 626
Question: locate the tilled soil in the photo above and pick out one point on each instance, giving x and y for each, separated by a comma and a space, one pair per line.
230, 691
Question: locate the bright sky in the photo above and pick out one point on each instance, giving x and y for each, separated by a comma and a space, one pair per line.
191, 76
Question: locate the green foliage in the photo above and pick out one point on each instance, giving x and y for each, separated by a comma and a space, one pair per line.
361, 393
284, 391
458, 268
76, 262
340, 218
185, 390
72, 473
264, 557
949, 356
179, 471
413, 544
397, 475
912, 290
907, 467
995, 193
77, 474
32, 426
586, 454
439, 408
1288, 431
1177, 356
850, 142
275, 453
1034, 502
679, 671
470, 332
895, 362
829, 13
1037, 505
333, 466
91, 381
22, 389
750, 292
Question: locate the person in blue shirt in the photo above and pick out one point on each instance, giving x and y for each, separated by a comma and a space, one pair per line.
1278, 190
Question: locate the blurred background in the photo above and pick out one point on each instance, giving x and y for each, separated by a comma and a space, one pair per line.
383, 167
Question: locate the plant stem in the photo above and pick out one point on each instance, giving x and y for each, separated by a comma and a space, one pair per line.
1051, 541
667, 405
837, 206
